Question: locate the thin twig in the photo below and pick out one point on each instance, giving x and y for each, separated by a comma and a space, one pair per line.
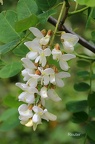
82, 41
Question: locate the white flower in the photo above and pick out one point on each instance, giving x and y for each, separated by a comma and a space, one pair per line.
37, 53
28, 97
29, 86
57, 78
41, 114
25, 112
49, 116
69, 41
28, 64
45, 75
37, 116
42, 56
49, 93
62, 58
37, 33
53, 95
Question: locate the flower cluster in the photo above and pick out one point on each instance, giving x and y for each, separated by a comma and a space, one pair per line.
41, 77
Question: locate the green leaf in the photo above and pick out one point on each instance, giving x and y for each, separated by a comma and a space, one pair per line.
26, 23
21, 50
79, 117
10, 123
11, 101
44, 16
2, 63
25, 8
7, 23
90, 129
92, 112
81, 86
91, 100
45, 4
93, 35
83, 74
89, 18
7, 47
90, 3
10, 69
7, 113
82, 63
76, 106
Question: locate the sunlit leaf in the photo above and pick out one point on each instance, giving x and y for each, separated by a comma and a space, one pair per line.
11, 101
25, 8
76, 106
10, 123
7, 30
45, 4
81, 86
10, 69
26, 23
21, 50
7, 47
44, 16
90, 3
7, 113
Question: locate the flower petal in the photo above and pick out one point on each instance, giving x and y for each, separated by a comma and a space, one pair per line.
71, 38
28, 64
59, 82
64, 65
43, 92
32, 55
47, 52
67, 57
50, 116
36, 118
63, 75
53, 95
36, 32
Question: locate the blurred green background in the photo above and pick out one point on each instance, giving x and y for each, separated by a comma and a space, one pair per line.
52, 132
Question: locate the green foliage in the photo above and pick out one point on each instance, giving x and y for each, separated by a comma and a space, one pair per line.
79, 117
21, 50
76, 106
24, 9
90, 129
43, 17
90, 3
45, 4
7, 24
11, 101
10, 70
82, 86
91, 100
83, 74
8, 47
26, 23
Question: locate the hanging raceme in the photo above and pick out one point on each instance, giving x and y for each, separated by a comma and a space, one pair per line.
42, 78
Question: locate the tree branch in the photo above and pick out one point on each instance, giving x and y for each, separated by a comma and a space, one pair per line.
82, 41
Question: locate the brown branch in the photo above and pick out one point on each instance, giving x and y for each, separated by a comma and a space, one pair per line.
82, 41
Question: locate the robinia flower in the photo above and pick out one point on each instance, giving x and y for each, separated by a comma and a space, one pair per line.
41, 77
69, 41
62, 58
